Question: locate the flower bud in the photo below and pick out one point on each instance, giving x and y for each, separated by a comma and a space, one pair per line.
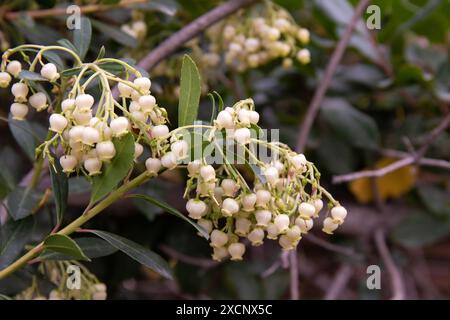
207, 225
18, 111
306, 210
20, 92
208, 173
303, 56
271, 174
248, 202
138, 150
282, 24
219, 253
252, 44
230, 207
304, 225
134, 106
318, 205
179, 149
194, 167
206, 188
84, 102
244, 117
68, 163
90, 136
147, 103
294, 233
124, 90
14, 67
5, 79
262, 198
230, 187
169, 160
93, 166
196, 208
159, 131
67, 104
242, 226
143, 84
256, 237
119, 126
38, 101
76, 133
286, 243
329, 226
236, 251
82, 118
299, 162
229, 32
153, 165
272, 231
338, 213
224, 120
282, 222
272, 34
218, 238
263, 217
254, 117
242, 135
303, 35
105, 150
49, 72
57, 123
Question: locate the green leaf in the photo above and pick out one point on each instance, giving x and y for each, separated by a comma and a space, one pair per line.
21, 202
442, 82
189, 92
25, 136
115, 34
137, 252
70, 72
353, 126
168, 7
213, 108
221, 104
91, 247
30, 75
63, 244
60, 188
170, 210
101, 53
116, 170
435, 199
67, 44
420, 229
82, 37
14, 235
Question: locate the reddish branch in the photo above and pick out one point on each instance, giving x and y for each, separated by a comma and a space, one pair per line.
415, 158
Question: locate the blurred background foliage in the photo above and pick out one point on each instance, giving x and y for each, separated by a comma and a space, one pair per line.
391, 89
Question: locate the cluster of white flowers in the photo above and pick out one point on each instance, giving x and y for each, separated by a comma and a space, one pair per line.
255, 37
83, 129
277, 206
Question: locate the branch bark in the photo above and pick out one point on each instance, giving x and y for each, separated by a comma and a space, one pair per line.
415, 158
338, 53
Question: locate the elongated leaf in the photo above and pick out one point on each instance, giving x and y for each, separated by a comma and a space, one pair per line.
115, 34
170, 210
54, 58
67, 44
91, 247
137, 252
168, 7
353, 126
21, 202
116, 170
221, 104
30, 75
25, 136
60, 188
82, 37
63, 244
189, 92
13, 237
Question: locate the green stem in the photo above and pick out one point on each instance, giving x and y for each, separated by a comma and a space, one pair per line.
76, 224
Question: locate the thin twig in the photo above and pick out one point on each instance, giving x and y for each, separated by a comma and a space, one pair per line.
426, 162
293, 271
411, 159
60, 11
397, 285
193, 261
333, 247
340, 281
338, 53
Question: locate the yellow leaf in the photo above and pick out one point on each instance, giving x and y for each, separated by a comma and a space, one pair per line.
390, 186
